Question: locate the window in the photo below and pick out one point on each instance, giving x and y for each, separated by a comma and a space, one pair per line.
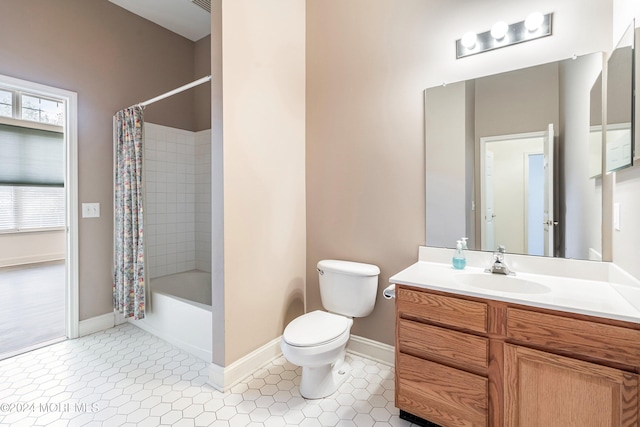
31, 208
32, 193
41, 110
6, 103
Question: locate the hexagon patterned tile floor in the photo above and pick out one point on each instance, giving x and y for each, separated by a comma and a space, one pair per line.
125, 376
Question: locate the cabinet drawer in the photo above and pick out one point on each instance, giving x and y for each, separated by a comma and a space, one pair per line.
577, 337
440, 309
440, 394
443, 345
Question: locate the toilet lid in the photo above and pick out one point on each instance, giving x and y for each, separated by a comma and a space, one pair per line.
315, 328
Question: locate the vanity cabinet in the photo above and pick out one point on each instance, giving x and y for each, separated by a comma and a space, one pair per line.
466, 361
544, 389
442, 360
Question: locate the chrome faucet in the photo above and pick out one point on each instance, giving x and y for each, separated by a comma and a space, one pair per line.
499, 266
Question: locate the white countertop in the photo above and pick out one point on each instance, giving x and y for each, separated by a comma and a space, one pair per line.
589, 297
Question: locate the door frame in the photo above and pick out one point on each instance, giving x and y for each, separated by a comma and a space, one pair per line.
72, 305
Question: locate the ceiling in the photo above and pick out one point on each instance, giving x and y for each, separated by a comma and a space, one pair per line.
180, 16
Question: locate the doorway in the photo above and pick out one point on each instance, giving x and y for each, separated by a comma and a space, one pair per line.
38, 216
516, 186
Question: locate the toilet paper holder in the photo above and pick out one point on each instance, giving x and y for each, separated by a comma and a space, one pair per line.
389, 292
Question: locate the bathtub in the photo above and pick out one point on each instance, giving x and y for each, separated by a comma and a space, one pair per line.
180, 312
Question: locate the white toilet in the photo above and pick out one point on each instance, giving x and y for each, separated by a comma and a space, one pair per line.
317, 340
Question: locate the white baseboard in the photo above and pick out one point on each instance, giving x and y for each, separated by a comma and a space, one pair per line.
96, 324
32, 259
373, 350
144, 324
119, 318
225, 377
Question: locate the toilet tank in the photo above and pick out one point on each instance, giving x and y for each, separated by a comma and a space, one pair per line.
348, 288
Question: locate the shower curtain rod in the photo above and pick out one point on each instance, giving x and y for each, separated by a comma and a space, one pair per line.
175, 91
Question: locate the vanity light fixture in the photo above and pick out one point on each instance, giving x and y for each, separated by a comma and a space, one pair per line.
534, 21
499, 30
535, 26
469, 40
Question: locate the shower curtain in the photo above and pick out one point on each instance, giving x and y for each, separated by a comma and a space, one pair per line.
128, 274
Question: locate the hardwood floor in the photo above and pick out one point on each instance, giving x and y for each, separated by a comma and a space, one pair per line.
32, 306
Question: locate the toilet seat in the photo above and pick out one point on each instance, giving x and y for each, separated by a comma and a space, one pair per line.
315, 328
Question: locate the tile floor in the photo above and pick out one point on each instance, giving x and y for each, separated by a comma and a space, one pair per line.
125, 376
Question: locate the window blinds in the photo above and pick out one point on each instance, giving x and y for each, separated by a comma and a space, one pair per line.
31, 208
31, 157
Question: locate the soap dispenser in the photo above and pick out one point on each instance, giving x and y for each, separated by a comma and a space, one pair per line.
459, 260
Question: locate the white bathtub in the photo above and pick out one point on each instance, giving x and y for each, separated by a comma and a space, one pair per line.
180, 312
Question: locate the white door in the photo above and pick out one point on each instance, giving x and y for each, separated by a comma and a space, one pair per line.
488, 237
548, 220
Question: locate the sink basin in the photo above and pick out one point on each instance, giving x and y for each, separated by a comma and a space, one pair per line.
501, 283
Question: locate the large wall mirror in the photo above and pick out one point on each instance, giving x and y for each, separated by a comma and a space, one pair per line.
509, 161
620, 103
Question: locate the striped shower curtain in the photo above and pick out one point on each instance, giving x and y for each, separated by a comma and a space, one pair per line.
128, 274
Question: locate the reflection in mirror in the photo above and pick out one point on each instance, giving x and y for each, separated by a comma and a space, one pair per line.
620, 100
636, 107
595, 134
508, 162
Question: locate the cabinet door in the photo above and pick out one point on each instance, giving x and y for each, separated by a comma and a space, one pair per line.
543, 389
441, 394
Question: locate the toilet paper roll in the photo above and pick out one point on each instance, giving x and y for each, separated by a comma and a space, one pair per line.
389, 292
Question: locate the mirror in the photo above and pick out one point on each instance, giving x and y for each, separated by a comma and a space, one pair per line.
595, 131
507, 162
620, 103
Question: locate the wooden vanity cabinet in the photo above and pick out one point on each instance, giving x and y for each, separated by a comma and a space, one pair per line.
544, 389
442, 356
463, 361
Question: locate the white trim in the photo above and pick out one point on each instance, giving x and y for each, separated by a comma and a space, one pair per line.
29, 124
224, 378
96, 324
148, 326
8, 262
70, 98
594, 255
373, 350
119, 319
4, 356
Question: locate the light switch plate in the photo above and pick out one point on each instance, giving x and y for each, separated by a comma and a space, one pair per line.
616, 216
90, 210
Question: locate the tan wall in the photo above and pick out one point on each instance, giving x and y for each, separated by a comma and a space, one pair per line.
518, 102
446, 115
202, 94
264, 170
581, 211
111, 58
25, 248
368, 62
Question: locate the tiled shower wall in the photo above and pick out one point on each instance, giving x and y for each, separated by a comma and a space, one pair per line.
203, 200
173, 183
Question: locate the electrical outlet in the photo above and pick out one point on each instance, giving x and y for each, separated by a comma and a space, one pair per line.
90, 210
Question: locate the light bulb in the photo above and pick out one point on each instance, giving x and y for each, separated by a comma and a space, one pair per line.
499, 30
469, 40
533, 21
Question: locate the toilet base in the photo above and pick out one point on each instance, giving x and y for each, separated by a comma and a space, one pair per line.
323, 381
